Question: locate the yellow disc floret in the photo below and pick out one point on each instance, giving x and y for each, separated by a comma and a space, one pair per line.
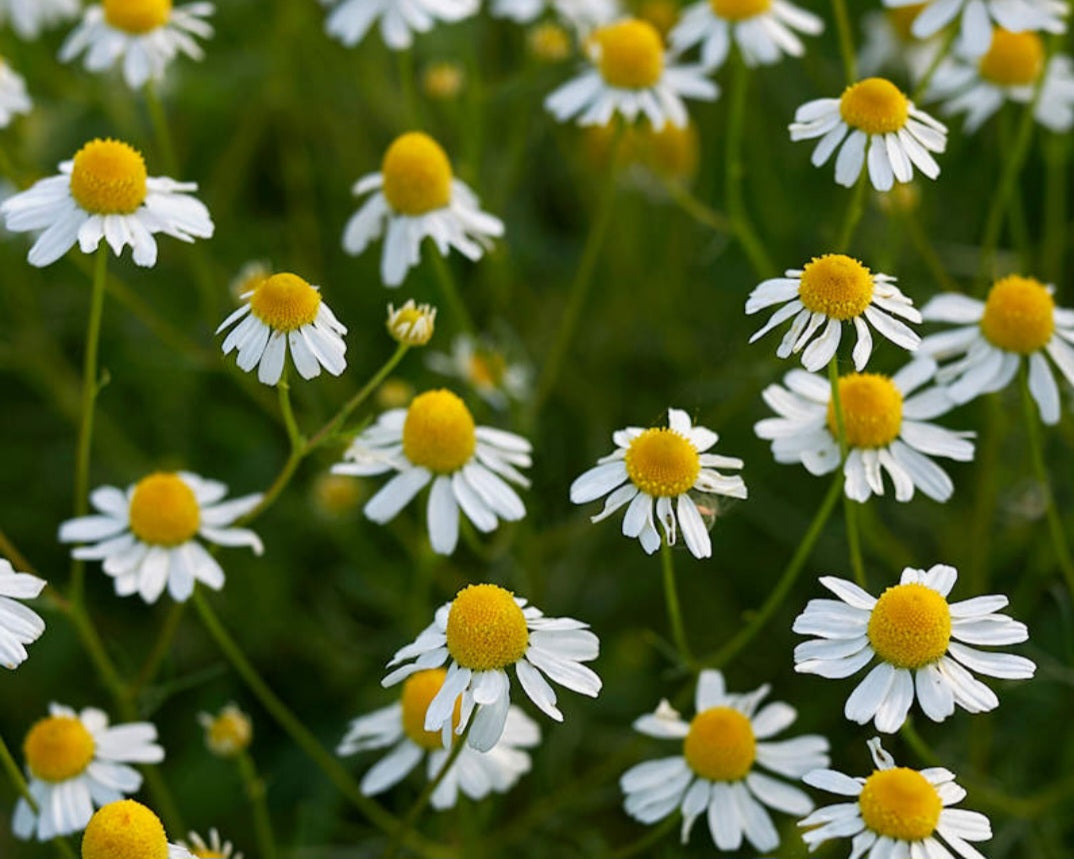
58, 748
910, 626
285, 302
124, 830
662, 463
1019, 315
1013, 59
164, 510
137, 16
418, 692
438, 432
108, 178
900, 803
739, 10
875, 106
416, 174
837, 286
630, 54
486, 629
872, 410
720, 745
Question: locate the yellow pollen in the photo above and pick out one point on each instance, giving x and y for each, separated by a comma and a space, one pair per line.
58, 748
164, 511
486, 629
872, 410
108, 178
900, 803
1013, 59
874, 105
902, 19
124, 830
438, 432
739, 10
418, 692
837, 286
417, 174
720, 745
137, 16
662, 463
285, 302
1019, 315
910, 626
631, 54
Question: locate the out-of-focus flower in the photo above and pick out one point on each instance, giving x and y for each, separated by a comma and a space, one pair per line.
228, 733
19, 625
31, 17
443, 81
13, 97
350, 20
890, 46
214, 848
485, 367
978, 17
549, 42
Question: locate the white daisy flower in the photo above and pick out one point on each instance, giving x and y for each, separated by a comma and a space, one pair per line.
75, 763
146, 35
146, 535
228, 733
889, 44
104, 193
412, 323
128, 828
350, 20
631, 74
920, 641
30, 17
896, 811
285, 312
415, 195
580, 14
829, 291
213, 848
13, 97
434, 440
1019, 320
978, 17
662, 465
881, 126
719, 772
402, 726
19, 625
886, 429
485, 368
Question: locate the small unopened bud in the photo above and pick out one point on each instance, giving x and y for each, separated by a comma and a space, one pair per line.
227, 734
412, 323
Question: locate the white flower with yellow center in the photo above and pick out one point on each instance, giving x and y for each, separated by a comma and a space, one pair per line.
484, 631
105, 193
1018, 321
228, 733
350, 20
890, 45
631, 74
921, 642
412, 324
146, 35
416, 196
435, 440
19, 625
13, 97
126, 829
214, 848
146, 536
75, 763
486, 368
886, 429
979, 16
829, 291
896, 811
580, 14
881, 126
402, 726
284, 312
719, 771
661, 466
30, 17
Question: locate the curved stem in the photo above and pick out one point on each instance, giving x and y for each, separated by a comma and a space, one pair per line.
671, 597
923, 83
159, 650
254, 786
294, 434
846, 41
700, 212
19, 783
855, 209
450, 290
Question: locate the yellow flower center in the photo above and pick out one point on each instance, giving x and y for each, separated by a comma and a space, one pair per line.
910, 626
720, 745
872, 410
108, 178
900, 803
417, 174
631, 54
486, 368
661, 462
207, 853
137, 16
438, 432
902, 19
739, 10
837, 286
418, 692
229, 733
874, 105
58, 748
164, 511
1013, 59
486, 629
549, 43
285, 302
1019, 315
124, 830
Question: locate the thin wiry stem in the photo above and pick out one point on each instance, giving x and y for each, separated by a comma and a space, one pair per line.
671, 597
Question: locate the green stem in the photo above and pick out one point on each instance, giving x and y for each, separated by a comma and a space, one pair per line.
846, 41
17, 780
294, 434
404, 61
160, 650
927, 252
671, 597
1056, 153
254, 786
937, 61
703, 214
450, 291
855, 209
160, 128
849, 514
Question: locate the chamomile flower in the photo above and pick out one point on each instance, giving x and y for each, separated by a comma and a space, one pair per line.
631, 74
896, 811
350, 20
126, 828
227, 734
661, 465
886, 427
829, 291
146, 536
484, 631
486, 368
402, 727
30, 17
214, 848
1018, 321
13, 97
889, 43
415, 195
581, 14
881, 127
145, 35
285, 313
19, 625
435, 440
920, 641
75, 763
978, 17
105, 193
412, 323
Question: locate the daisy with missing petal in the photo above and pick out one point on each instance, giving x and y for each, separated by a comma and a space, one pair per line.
75, 763
829, 291
30, 17
881, 126
105, 193
978, 17
128, 828
350, 20
719, 772
1018, 321
19, 625
484, 631
214, 848
921, 642
146, 536
402, 727
13, 97
886, 429
896, 811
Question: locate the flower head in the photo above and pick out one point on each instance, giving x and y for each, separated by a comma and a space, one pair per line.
486, 367
350, 20
19, 625
30, 17
889, 43
227, 734
978, 16
214, 848
412, 324
13, 97
125, 829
